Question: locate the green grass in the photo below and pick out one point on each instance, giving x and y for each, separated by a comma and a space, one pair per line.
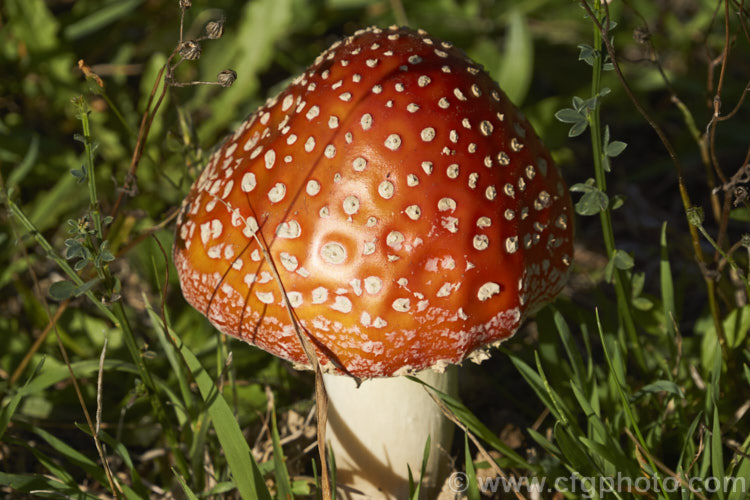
111, 385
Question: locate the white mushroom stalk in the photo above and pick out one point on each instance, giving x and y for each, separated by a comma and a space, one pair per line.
378, 433
412, 213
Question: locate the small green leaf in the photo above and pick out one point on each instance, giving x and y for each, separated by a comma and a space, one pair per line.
578, 128
586, 54
656, 387
614, 148
592, 202
643, 303
61, 290
616, 201
86, 287
590, 103
584, 187
80, 175
569, 115
623, 260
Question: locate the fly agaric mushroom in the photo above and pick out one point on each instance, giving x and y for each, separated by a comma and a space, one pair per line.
412, 214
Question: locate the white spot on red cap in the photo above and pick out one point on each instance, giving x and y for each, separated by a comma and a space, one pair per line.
287, 102
386, 189
270, 158
289, 230
452, 171
481, 241
366, 121
251, 227
373, 285
227, 189
359, 164
364, 318
313, 112
342, 304
277, 192
295, 299
446, 204
265, 297
319, 295
511, 244
393, 142
289, 261
488, 290
333, 253
211, 230
313, 187
248, 182
401, 305
351, 205
413, 212
427, 134
394, 240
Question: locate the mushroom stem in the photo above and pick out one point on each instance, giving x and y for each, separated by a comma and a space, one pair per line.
378, 429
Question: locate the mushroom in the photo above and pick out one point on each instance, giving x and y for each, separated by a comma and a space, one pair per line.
414, 219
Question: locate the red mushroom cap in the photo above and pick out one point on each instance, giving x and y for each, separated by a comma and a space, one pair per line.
410, 209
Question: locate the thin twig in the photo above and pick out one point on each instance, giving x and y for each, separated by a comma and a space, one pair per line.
453, 418
661, 466
37, 343
99, 380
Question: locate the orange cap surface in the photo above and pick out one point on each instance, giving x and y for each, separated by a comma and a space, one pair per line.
411, 211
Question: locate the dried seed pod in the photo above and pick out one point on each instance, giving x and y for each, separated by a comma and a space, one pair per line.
215, 29
190, 50
227, 77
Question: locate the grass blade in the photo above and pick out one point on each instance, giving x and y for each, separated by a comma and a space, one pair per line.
667, 287
283, 485
467, 418
244, 469
472, 488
